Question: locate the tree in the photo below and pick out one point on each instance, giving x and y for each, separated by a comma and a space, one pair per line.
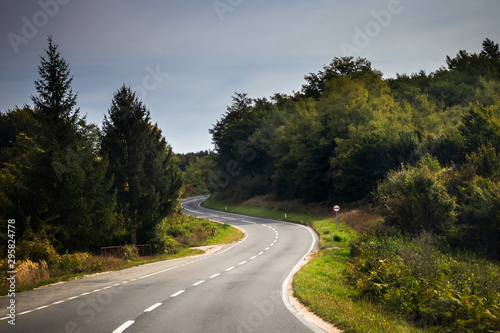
52, 178
55, 103
339, 67
480, 127
146, 175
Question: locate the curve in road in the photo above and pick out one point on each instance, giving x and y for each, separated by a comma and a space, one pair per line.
240, 288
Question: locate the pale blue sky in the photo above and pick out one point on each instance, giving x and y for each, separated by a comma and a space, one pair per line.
186, 58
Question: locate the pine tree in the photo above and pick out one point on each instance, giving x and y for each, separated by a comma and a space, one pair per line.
145, 176
65, 193
55, 103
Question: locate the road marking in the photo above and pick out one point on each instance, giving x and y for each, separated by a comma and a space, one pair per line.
55, 303
247, 221
41, 307
124, 326
177, 293
266, 249
151, 308
253, 257
25, 312
95, 291
84, 294
215, 275
242, 263
272, 244
261, 253
230, 268
74, 297
198, 283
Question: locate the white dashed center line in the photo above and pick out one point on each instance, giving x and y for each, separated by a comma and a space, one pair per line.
177, 293
151, 308
124, 327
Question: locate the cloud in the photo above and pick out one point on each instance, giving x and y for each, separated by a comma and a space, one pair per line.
260, 47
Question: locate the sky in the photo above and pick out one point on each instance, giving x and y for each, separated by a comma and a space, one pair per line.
186, 58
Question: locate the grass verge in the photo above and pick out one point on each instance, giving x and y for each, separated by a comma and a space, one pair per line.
321, 285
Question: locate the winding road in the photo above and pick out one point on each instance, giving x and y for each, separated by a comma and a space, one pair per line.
239, 288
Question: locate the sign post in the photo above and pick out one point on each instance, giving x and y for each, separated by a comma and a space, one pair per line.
336, 209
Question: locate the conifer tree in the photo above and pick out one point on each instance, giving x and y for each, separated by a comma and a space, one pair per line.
74, 203
145, 176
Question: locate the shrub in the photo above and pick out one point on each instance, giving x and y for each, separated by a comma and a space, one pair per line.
129, 252
36, 248
480, 217
414, 279
416, 199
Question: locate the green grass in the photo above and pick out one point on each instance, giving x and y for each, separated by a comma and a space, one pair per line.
320, 284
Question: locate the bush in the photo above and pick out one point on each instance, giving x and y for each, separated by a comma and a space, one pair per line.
414, 279
129, 252
36, 248
416, 199
480, 217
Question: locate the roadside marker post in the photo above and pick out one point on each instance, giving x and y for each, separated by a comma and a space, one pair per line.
336, 209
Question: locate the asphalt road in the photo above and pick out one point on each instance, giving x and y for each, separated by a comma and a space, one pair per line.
240, 288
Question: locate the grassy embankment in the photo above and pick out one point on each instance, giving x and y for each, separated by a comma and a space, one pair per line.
58, 268
321, 284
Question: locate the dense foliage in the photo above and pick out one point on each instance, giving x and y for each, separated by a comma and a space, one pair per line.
70, 185
415, 279
423, 146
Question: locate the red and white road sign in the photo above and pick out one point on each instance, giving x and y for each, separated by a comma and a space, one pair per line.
336, 208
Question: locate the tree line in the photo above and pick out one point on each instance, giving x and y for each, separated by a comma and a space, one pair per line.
79, 186
424, 147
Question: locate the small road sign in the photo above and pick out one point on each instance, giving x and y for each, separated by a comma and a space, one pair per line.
336, 208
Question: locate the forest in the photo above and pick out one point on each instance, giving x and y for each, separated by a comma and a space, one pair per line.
422, 147
67, 185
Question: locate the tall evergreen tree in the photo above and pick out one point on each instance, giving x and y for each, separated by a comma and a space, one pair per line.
146, 178
55, 103
61, 189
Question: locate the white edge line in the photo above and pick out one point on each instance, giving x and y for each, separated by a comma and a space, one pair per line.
284, 287
215, 275
124, 326
198, 283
